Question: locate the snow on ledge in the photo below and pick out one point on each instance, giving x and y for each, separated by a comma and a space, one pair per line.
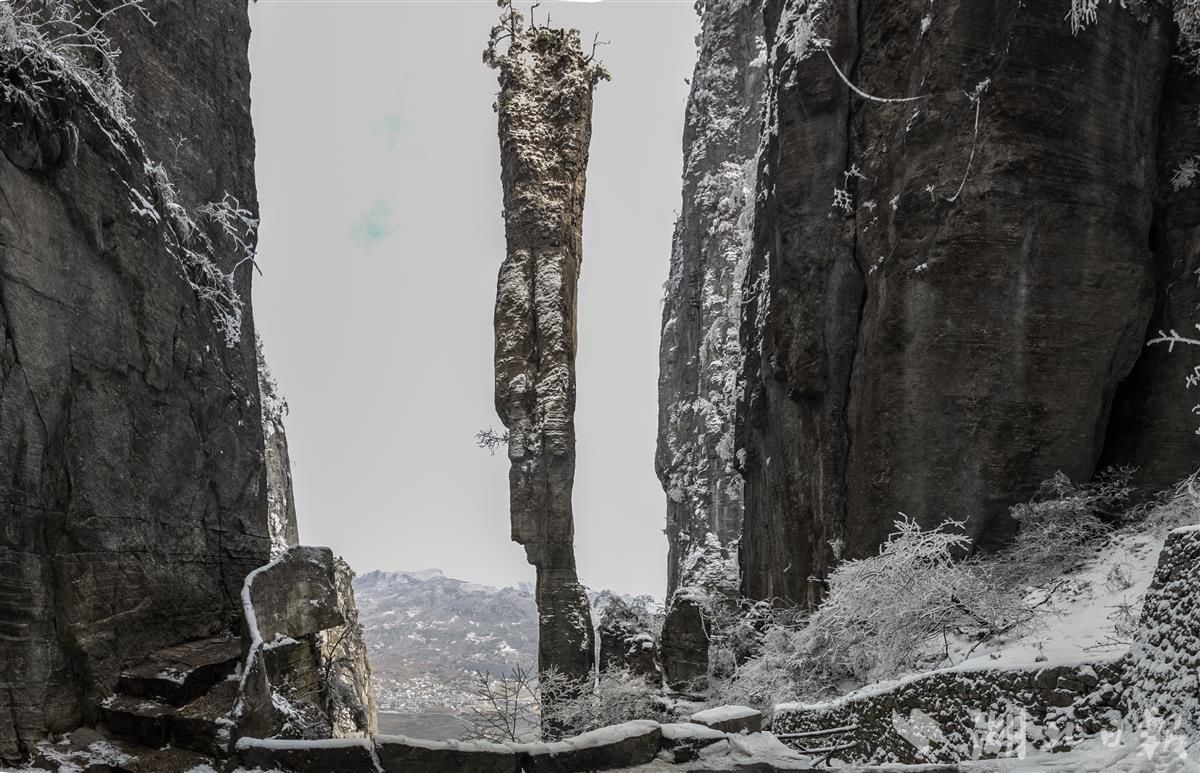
967, 669
595, 739
281, 744
681, 731
723, 714
474, 747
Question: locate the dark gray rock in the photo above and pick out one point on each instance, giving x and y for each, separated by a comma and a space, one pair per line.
281, 500
683, 645
545, 117
957, 331
930, 718
205, 725
684, 741
397, 753
133, 496
296, 596
700, 351
90, 751
184, 672
309, 643
347, 667
730, 719
626, 634
344, 755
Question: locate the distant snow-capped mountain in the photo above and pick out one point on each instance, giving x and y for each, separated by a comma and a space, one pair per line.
428, 634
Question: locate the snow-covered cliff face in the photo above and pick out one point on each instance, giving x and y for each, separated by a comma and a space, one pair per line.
700, 355
132, 499
968, 219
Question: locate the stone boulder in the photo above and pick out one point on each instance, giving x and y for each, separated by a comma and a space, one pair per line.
730, 719
683, 645
683, 741
296, 595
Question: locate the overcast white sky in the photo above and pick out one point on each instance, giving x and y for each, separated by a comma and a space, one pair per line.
381, 237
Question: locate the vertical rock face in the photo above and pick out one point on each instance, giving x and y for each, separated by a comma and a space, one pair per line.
947, 293
700, 355
545, 111
281, 500
132, 498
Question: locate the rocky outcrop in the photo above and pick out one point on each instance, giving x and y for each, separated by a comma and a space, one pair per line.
281, 500
132, 499
626, 633
545, 115
958, 256
700, 351
305, 674
347, 668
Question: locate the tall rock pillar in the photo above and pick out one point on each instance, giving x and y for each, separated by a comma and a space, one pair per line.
545, 112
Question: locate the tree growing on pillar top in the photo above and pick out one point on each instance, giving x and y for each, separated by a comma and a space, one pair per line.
545, 112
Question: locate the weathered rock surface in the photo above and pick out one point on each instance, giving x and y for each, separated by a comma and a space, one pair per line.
626, 634
700, 352
132, 497
683, 741
930, 717
683, 646
296, 595
90, 751
968, 313
545, 112
281, 500
307, 649
348, 675
730, 719
351, 755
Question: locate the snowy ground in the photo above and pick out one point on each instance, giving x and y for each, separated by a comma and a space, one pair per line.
1103, 755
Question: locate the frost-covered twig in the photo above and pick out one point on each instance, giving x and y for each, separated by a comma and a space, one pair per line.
1172, 338
977, 100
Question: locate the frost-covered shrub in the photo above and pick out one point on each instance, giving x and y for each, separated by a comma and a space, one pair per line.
616, 696
523, 706
507, 707
879, 618
1061, 525
62, 35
